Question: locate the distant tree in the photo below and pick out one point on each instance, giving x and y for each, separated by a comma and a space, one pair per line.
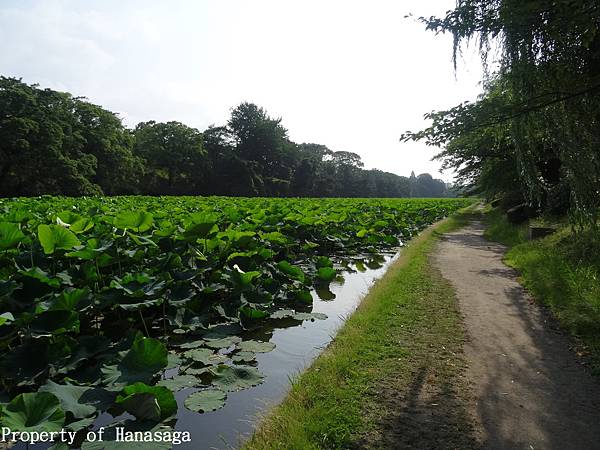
263, 140
52, 143
229, 174
174, 156
308, 178
117, 168
412, 185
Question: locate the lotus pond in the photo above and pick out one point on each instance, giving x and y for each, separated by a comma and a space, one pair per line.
139, 312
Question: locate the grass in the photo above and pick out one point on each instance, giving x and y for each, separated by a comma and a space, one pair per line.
501, 230
391, 378
562, 271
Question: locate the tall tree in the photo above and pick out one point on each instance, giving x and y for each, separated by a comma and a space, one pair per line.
263, 140
545, 94
174, 156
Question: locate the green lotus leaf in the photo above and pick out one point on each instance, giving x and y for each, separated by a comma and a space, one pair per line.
253, 313
310, 316
34, 411
71, 300
153, 403
173, 361
75, 222
198, 371
303, 296
41, 276
69, 397
204, 356
78, 425
146, 354
179, 382
92, 250
138, 221
138, 285
141, 240
205, 401
55, 237
283, 314
256, 346
145, 358
275, 237
6, 318
290, 270
362, 233
324, 261
225, 342
56, 322
244, 357
326, 273
10, 235
193, 344
235, 378
243, 280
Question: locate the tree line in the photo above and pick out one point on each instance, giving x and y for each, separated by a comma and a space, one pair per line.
54, 143
533, 136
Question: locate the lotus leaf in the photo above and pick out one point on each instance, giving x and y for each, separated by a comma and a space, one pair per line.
207, 400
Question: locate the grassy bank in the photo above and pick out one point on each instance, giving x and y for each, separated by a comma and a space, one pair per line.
391, 377
562, 271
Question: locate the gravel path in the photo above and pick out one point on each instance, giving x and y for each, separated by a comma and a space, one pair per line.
529, 391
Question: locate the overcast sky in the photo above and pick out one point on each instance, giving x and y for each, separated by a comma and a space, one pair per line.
352, 75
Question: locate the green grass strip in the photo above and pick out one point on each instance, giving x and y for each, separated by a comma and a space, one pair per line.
391, 377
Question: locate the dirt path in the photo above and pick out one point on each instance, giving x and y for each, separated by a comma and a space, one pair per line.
529, 390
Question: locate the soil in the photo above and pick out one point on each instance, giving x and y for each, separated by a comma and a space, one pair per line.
529, 390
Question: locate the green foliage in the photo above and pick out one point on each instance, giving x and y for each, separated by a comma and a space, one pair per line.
235, 378
256, 346
534, 131
153, 403
206, 400
56, 237
10, 235
53, 143
39, 411
326, 273
70, 398
135, 220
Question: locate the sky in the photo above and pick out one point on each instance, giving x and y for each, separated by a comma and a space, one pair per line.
352, 75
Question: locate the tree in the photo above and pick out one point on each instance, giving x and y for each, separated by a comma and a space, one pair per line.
42, 149
54, 143
263, 140
542, 105
117, 169
228, 174
174, 156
